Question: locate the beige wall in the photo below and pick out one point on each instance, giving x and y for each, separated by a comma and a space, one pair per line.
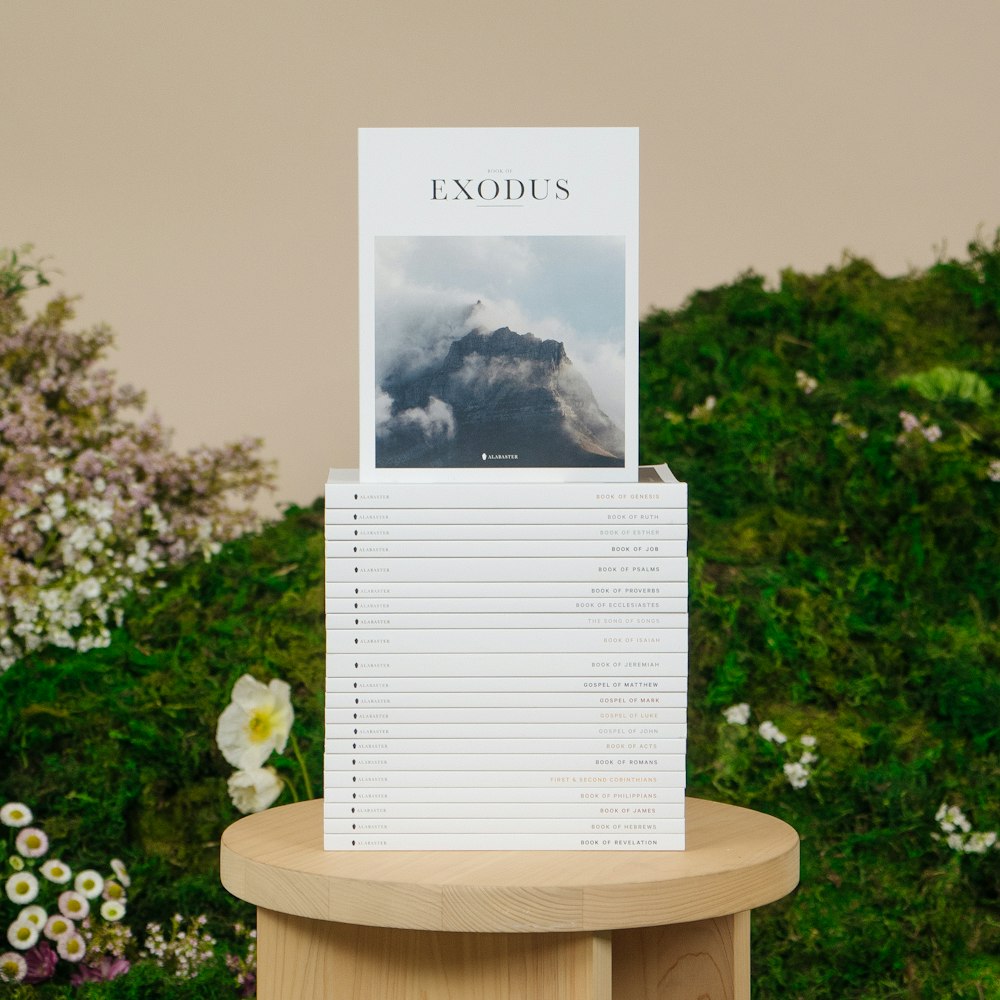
189, 165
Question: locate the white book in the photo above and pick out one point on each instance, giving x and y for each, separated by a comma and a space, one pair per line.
505, 605
498, 303
504, 515
503, 842
389, 762
526, 619
487, 711
344, 491
490, 664
507, 731
352, 746
521, 589
354, 549
516, 778
479, 683
482, 797
454, 532
437, 810
535, 640
434, 571
507, 824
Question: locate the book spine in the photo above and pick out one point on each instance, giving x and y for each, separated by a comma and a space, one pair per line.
521, 640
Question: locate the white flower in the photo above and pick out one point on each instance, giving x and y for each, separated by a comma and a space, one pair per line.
58, 927
22, 888
72, 947
254, 789
34, 915
13, 968
15, 814
22, 934
54, 475
88, 883
257, 721
954, 841
993, 471
738, 715
805, 382
980, 843
797, 775
121, 872
112, 910
73, 905
771, 732
31, 842
44, 522
55, 871
807, 740
932, 433
808, 758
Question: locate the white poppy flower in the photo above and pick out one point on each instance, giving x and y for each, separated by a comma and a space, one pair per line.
254, 789
257, 721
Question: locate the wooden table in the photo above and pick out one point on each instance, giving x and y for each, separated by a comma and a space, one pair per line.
487, 925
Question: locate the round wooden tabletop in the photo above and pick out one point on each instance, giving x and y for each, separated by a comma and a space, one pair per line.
735, 860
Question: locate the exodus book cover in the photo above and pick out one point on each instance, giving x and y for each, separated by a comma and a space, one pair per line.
498, 304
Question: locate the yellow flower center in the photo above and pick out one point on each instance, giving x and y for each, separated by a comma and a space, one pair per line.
33, 841
22, 887
74, 905
9, 968
59, 926
23, 933
261, 725
114, 890
73, 945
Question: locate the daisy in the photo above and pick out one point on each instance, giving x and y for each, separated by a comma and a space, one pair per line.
13, 967
58, 927
22, 887
15, 814
55, 871
112, 910
22, 934
89, 883
255, 722
34, 915
31, 842
73, 905
121, 872
72, 947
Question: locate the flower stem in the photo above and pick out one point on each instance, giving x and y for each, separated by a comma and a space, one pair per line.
302, 767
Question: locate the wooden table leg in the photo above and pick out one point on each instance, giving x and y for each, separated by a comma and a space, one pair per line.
303, 959
702, 960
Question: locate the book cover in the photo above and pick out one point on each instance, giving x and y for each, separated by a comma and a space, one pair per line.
498, 304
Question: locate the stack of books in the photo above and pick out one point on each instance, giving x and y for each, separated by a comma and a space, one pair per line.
506, 665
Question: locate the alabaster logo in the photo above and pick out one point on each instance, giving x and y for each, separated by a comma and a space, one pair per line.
487, 457
501, 190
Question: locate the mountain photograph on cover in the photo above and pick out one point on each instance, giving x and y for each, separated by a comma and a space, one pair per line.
502, 351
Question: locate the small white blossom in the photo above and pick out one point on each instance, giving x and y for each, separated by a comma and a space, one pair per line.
737, 715
993, 471
807, 740
771, 732
55, 871
34, 915
805, 382
73, 905
58, 926
797, 775
112, 910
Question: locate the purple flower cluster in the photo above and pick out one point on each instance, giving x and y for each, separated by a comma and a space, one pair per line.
93, 500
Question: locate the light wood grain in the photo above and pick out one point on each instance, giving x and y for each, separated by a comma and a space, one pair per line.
303, 959
701, 960
735, 860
